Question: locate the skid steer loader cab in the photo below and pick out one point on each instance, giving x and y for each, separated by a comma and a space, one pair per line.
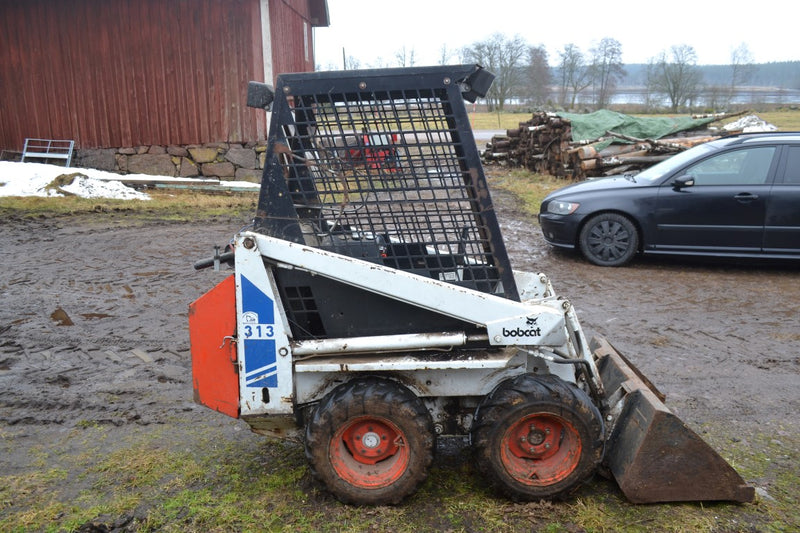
373, 310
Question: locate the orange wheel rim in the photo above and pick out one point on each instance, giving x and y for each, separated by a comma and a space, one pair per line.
540, 449
369, 452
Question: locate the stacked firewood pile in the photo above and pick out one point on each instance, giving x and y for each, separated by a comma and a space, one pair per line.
544, 144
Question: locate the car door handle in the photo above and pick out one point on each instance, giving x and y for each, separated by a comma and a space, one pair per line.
745, 197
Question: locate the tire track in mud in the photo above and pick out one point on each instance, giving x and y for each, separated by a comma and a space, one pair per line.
94, 319
720, 339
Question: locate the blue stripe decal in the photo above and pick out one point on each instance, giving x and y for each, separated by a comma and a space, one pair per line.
258, 332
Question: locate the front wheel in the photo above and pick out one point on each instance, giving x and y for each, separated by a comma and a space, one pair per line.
608, 239
537, 437
370, 441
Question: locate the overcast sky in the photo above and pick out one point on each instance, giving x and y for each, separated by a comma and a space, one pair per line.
374, 31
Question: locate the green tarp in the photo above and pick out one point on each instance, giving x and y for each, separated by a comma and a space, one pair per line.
592, 126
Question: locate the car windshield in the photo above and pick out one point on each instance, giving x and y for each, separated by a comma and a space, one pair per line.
668, 166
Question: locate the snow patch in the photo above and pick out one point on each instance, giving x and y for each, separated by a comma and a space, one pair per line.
750, 123
86, 187
40, 179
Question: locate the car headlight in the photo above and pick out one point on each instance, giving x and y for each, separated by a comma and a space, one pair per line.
558, 207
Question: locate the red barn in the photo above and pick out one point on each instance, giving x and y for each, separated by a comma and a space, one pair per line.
128, 78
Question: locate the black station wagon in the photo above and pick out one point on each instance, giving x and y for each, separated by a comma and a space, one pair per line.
737, 196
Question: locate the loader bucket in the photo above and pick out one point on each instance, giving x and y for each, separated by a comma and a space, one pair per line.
652, 454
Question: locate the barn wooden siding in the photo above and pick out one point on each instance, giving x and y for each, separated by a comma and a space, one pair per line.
117, 73
291, 36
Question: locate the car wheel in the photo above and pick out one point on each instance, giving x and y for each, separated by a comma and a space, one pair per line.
609, 239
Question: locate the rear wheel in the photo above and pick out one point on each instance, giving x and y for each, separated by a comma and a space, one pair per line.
608, 239
537, 437
370, 441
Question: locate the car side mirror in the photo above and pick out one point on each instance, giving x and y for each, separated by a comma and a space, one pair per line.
681, 182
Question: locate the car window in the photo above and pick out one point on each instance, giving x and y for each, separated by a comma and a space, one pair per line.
668, 166
737, 167
792, 173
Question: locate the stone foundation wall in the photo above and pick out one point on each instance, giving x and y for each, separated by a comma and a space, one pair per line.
226, 161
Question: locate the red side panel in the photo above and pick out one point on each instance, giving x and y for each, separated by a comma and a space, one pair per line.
212, 318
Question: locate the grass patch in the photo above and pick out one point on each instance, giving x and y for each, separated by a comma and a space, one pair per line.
784, 119
175, 206
133, 469
529, 188
505, 120
770, 460
184, 206
195, 476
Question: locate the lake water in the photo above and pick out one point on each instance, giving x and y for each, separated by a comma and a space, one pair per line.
709, 98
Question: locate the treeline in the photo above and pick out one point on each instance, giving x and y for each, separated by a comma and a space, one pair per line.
593, 79
574, 79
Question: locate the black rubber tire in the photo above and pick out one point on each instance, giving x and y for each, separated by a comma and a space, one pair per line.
537, 438
372, 408
609, 239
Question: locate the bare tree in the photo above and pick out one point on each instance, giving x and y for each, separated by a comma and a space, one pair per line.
405, 58
350, 62
675, 75
742, 68
503, 57
539, 76
573, 75
716, 97
445, 54
606, 70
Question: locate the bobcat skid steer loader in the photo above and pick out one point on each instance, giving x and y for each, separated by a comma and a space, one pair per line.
374, 311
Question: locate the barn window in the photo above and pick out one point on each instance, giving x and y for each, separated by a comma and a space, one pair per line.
305, 38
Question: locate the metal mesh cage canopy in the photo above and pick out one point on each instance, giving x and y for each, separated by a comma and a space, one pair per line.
382, 165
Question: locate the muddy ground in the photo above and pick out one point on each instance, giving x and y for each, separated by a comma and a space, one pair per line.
93, 331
